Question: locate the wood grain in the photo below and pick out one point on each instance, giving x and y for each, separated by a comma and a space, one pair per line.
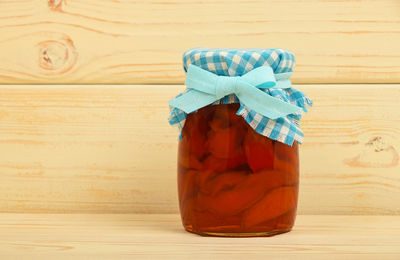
109, 149
83, 41
157, 236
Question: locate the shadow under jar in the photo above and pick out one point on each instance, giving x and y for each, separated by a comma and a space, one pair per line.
233, 181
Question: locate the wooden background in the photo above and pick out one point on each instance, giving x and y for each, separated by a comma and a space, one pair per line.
108, 148
107, 41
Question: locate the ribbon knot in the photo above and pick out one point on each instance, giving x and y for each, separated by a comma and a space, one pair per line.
225, 86
204, 88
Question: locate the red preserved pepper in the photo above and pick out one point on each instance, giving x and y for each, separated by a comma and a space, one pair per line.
232, 180
259, 151
224, 181
272, 205
216, 164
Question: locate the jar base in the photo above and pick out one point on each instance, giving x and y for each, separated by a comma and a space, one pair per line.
252, 234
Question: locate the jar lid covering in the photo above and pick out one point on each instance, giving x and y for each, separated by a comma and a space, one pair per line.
236, 62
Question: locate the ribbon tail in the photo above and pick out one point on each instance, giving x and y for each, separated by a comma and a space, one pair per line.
263, 103
283, 80
192, 100
283, 84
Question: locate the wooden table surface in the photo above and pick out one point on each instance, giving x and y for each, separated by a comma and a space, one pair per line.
161, 236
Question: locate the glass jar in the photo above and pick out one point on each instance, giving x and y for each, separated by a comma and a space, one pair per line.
233, 181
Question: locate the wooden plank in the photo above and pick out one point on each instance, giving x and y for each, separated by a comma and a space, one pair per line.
156, 236
83, 41
110, 149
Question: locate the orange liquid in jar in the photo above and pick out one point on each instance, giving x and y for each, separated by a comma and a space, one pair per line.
233, 181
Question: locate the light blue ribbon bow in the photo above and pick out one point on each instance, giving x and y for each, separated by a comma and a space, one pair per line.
204, 88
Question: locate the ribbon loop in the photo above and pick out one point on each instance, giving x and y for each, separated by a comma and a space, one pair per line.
205, 87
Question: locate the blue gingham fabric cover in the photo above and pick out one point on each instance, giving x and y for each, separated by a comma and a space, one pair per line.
236, 62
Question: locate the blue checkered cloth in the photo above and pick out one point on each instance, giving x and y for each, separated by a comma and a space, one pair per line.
236, 62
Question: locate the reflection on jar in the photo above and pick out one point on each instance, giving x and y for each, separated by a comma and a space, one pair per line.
233, 181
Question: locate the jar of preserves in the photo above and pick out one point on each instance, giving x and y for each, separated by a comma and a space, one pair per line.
238, 170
